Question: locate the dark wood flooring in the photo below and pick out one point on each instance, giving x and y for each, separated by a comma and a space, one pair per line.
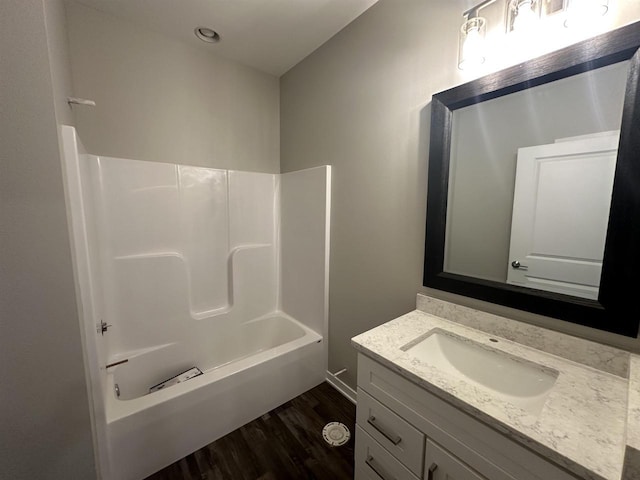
285, 443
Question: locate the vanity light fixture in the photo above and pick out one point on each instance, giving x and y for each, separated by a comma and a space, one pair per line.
522, 15
472, 38
524, 19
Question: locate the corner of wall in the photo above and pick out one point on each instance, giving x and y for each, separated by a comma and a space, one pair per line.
59, 63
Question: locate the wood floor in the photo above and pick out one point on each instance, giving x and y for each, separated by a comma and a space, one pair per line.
285, 443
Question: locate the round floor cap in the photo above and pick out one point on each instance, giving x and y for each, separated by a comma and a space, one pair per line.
336, 434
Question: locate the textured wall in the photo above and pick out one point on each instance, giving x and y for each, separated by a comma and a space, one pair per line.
162, 100
46, 428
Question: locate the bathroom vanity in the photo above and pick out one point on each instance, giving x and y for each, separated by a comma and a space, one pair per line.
447, 392
438, 399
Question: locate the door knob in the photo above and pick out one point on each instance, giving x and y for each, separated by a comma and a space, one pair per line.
516, 264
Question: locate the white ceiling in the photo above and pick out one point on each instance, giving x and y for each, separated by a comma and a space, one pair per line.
270, 35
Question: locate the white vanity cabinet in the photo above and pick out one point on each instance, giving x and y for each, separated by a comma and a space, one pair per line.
403, 432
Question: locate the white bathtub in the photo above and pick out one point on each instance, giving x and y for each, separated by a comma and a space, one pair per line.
147, 432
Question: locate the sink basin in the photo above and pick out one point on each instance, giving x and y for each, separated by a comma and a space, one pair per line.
515, 380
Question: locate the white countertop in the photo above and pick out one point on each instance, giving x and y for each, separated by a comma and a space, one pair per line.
581, 427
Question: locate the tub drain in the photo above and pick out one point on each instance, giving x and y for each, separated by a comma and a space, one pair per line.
336, 434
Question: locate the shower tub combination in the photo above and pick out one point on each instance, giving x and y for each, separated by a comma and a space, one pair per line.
180, 267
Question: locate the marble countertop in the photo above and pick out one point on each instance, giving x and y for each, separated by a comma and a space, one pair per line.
582, 425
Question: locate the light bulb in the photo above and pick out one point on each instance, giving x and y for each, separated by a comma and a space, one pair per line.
472, 43
585, 13
525, 16
472, 48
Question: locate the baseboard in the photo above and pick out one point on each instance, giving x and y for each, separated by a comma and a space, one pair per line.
342, 387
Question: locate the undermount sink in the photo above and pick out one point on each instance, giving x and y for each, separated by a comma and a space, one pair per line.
515, 380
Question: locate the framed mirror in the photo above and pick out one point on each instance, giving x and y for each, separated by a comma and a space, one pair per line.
534, 185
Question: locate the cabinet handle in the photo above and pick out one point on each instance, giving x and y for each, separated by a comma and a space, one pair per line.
381, 472
392, 437
432, 468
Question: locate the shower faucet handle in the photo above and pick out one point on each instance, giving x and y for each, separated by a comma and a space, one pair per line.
103, 327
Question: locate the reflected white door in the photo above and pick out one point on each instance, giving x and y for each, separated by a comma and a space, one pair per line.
560, 214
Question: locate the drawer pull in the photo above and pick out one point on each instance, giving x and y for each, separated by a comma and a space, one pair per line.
376, 467
432, 468
392, 437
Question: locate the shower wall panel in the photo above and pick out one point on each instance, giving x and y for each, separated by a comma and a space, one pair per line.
304, 238
185, 253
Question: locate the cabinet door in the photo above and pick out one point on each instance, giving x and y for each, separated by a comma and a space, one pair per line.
441, 465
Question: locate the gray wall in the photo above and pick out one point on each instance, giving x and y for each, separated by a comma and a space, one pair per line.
58, 47
159, 99
361, 104
46, 431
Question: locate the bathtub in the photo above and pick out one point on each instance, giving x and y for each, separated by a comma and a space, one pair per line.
278, 359
191, 267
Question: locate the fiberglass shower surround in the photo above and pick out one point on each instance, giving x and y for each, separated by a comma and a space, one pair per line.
221, 270
187, 251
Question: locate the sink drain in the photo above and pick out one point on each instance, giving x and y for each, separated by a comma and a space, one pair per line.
336, 434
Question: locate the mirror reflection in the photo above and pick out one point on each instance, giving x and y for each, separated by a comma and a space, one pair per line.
530, 183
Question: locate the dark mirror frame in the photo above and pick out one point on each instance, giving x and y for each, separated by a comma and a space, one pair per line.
617, 308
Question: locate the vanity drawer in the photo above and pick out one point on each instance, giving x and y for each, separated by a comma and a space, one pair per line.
395, 434
373, 462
